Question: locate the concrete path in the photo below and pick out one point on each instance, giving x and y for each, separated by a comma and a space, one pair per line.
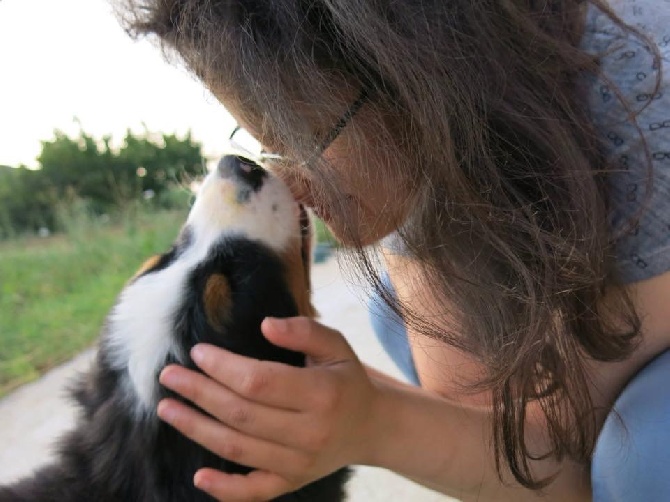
35, 415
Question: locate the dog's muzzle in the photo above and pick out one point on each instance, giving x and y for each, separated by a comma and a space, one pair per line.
242, 170
249, 177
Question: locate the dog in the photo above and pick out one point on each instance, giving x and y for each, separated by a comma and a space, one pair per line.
242, 255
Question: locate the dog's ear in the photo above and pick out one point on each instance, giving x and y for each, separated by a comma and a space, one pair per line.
217, 301
297, 258
298, 281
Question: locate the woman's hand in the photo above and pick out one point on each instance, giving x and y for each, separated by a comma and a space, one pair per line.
294, 425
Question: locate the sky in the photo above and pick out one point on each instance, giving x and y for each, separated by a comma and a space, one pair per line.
67, 59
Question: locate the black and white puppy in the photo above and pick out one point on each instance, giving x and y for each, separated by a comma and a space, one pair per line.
242, 255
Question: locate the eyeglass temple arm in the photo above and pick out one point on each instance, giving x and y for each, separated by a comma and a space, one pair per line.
344, 120
336, 130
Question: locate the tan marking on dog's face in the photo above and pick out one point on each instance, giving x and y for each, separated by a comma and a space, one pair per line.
217, 300
147, 265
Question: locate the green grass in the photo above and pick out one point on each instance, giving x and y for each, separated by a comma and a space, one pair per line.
55, 292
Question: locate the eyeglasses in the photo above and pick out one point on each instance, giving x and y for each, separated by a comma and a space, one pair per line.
239, 139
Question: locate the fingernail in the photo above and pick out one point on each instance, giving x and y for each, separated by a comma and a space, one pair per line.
198, 354
279, 325
169, 378
201, 482
166, 412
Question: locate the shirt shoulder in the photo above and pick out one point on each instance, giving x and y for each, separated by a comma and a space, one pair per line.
630, 107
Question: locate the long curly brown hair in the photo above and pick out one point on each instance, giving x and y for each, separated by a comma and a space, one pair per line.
509, 215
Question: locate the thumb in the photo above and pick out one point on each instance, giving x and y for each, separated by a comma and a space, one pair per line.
321, 344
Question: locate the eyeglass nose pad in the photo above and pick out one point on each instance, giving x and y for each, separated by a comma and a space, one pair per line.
243, 169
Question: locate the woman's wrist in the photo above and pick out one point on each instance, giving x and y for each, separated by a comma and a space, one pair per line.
421, 436
383, 424
447, 447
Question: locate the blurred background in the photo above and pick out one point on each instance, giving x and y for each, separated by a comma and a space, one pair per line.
100, 142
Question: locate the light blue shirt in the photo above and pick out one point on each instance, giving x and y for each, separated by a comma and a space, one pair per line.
630, 67
631, 461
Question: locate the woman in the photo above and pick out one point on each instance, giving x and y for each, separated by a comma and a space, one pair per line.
515, 152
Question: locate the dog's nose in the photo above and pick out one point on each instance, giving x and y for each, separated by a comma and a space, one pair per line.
233, 166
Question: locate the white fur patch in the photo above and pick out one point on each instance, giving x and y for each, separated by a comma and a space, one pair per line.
270, 215
140, 333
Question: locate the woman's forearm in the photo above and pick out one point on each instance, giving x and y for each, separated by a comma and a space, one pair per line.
448, 448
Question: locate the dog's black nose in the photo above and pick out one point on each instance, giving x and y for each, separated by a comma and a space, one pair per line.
243, 169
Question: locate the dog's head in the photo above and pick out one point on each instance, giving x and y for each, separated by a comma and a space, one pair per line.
242, 255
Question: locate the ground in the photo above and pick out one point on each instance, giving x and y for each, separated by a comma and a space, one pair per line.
32, 417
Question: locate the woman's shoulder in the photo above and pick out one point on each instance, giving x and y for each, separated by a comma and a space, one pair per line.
634, 69
626, 58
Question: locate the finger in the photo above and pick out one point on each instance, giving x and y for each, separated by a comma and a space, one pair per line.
323, 345
254, 419
266, 382
226, 442
257, 485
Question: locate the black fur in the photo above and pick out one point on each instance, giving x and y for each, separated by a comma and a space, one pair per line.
113, 455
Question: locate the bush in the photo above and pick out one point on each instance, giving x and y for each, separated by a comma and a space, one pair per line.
87, 171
